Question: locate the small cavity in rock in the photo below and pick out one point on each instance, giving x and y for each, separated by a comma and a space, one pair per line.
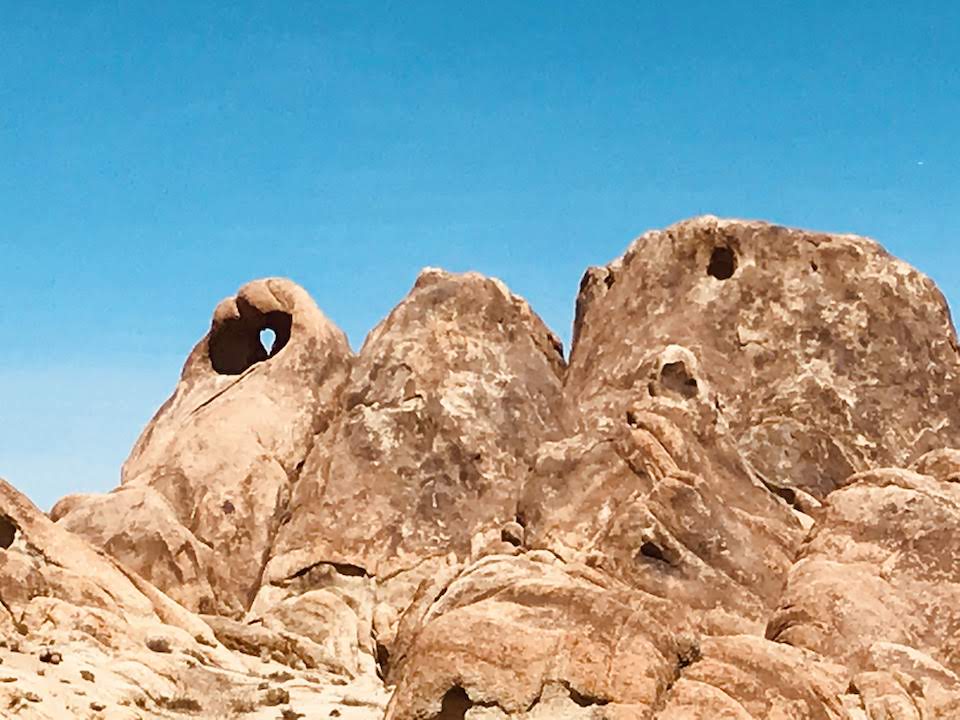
675, 377
159, 644
50, 656
723, 263
8, 532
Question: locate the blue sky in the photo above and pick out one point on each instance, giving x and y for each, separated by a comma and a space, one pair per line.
155, 156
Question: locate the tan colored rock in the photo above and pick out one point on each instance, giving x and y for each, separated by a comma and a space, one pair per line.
83, 637
942, 464
140, 528
669, 512
737, 501
748, 678
210, 478
446, 407
880, 570
826, 355
508, 629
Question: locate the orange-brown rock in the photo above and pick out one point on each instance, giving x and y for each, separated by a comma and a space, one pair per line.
447, 404
737, 499
210, 478
825, 355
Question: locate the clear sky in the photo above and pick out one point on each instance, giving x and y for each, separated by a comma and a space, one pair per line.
155, 156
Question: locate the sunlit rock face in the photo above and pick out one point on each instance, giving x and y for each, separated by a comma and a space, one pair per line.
208, 482
823, 354
736, 498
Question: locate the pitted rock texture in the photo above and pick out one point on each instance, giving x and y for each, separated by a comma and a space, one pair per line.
826, 355
737, 499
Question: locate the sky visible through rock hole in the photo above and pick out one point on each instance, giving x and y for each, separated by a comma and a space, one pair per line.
154, 157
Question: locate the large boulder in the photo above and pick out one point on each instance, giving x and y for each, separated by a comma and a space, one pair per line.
826, 355
447, 404
67, 608
209, 481
726, 379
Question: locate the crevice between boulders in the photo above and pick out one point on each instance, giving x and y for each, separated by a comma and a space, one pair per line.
345, 569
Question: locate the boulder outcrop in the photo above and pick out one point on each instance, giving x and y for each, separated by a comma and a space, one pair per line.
737, 498
209, 481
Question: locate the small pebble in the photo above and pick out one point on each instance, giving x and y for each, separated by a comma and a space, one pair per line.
159, 644
51, 656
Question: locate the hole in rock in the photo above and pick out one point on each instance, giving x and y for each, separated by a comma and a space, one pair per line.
583, 700
324, 567
267, 339
723, 263
349, 570
511, 537
688, 652
675, 377
8, 532
253, 337
653, 551
454, 705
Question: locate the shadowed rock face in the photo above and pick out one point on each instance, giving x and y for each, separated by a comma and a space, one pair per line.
736, 501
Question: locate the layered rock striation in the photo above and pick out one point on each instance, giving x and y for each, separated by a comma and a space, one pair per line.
738, 498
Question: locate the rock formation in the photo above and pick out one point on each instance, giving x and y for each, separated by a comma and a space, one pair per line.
208, 482
740, 499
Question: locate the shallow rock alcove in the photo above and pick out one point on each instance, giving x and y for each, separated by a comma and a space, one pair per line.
8, 532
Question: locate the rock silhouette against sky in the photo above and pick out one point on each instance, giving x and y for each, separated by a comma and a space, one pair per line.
737, 497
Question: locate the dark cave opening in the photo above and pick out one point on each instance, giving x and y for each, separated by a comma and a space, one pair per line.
238, 344
654, 552
676, 378
454, 705
8, 532
723, 263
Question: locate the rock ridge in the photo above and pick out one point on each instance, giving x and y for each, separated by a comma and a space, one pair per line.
736, 498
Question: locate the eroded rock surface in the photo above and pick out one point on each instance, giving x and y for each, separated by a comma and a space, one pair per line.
210, 478
739, 499
827, 355
447, 404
